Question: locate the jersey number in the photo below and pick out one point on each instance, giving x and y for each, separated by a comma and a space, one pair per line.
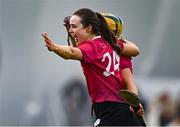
115, 65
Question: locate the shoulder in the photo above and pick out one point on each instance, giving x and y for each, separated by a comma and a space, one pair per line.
86, 45
101, 46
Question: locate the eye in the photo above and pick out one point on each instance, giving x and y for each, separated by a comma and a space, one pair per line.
73, 26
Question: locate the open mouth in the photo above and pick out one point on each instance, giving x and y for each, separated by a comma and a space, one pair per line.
74, 37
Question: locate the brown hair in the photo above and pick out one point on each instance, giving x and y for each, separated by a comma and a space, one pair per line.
99, 26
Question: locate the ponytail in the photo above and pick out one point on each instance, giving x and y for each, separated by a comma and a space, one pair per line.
107, 34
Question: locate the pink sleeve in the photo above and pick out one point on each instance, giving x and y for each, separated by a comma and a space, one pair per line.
125, 62
88, 51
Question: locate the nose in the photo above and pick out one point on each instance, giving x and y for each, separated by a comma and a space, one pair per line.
70, 30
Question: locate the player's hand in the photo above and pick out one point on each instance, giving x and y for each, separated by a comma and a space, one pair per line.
140, 110
48, 42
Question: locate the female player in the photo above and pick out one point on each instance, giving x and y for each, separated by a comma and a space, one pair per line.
116, 25
98, 51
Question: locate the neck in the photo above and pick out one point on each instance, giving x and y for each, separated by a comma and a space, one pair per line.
91, 37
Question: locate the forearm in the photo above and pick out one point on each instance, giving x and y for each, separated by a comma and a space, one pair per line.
128, 80
62, 51
132, 87
66, 52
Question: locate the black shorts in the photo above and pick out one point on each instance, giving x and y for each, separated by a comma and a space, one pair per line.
114, 114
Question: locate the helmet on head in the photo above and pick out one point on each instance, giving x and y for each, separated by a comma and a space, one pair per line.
115, 23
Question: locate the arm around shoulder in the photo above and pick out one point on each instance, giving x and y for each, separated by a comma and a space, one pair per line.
130, 49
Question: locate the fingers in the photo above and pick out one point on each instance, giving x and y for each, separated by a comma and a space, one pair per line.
131, 109
45, 35
46, 38
140, 111
47, 41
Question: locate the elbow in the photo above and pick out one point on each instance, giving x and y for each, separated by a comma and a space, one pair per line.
136, 52
64, 57
67, 56
72, 54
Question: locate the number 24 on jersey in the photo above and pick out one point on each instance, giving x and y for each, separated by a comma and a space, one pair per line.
113, 62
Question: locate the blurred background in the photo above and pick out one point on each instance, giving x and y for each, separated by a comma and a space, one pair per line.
39, 88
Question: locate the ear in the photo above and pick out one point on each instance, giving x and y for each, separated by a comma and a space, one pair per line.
89, 29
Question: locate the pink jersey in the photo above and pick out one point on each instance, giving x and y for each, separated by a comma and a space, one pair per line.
125, 62
101, 66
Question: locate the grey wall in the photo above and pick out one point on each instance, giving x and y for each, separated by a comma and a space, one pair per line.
30, 76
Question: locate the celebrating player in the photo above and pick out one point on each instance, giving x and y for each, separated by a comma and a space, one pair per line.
99, 51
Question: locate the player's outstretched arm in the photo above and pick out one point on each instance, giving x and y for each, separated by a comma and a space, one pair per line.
66, 52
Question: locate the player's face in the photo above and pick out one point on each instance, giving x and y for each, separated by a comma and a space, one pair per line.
77, 30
